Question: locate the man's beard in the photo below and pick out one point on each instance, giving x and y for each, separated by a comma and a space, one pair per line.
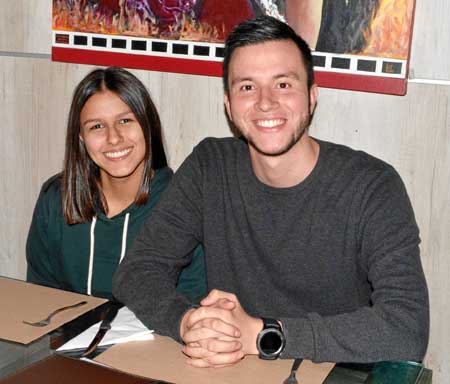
297, 135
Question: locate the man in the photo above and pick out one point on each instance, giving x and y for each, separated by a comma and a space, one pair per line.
311, 247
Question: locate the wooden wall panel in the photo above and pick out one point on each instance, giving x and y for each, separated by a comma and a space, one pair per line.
430, 55
31, 147
25, 26
191, 109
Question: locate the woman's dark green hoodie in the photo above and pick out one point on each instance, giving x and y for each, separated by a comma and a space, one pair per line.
59, 255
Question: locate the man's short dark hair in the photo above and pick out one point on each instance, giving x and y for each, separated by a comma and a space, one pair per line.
261, 30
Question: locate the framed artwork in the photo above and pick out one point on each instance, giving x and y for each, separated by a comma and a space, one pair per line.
359, 45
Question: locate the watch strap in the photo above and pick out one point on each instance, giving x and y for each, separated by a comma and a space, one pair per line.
270, 327
270, 323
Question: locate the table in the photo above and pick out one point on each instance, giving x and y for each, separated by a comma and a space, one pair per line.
15, 356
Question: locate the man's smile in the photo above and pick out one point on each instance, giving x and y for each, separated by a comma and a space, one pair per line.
270, 123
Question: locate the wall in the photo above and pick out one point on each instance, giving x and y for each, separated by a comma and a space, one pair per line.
411, 132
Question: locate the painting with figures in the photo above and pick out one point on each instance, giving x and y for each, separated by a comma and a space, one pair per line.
357, 44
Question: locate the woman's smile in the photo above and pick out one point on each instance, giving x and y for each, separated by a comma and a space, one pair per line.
118, 154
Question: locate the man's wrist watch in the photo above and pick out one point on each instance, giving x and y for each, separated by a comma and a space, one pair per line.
270, 341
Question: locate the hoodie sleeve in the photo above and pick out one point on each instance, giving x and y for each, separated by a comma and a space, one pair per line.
40, 269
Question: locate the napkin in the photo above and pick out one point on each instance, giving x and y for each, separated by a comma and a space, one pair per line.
124, 328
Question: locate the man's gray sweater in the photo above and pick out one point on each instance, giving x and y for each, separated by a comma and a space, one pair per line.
335, 258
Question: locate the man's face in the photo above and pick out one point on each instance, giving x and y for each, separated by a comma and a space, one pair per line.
268, 99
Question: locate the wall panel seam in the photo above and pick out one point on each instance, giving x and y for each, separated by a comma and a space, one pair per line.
26, 54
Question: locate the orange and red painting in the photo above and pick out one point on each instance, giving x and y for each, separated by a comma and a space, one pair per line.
380, 28
195, 20
357, 44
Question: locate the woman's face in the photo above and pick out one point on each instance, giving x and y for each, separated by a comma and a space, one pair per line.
113, 137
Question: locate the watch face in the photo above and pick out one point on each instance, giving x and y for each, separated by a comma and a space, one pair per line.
271, 342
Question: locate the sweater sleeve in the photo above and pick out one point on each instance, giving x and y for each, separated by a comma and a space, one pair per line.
396, 324
40, 269
192, 280
145, 280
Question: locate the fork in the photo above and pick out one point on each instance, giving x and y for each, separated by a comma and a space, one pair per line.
46, 321
291, 379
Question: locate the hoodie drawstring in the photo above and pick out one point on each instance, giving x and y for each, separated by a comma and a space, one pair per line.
124, 237
91, 257
91, 249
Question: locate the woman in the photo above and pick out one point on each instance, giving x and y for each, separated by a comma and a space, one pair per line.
114, 171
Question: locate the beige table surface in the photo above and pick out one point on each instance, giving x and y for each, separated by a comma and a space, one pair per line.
25, 301
162, 359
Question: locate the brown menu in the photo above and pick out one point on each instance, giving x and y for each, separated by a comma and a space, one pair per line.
162, 359
25, 301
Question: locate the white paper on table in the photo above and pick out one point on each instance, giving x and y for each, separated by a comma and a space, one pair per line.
124, 328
